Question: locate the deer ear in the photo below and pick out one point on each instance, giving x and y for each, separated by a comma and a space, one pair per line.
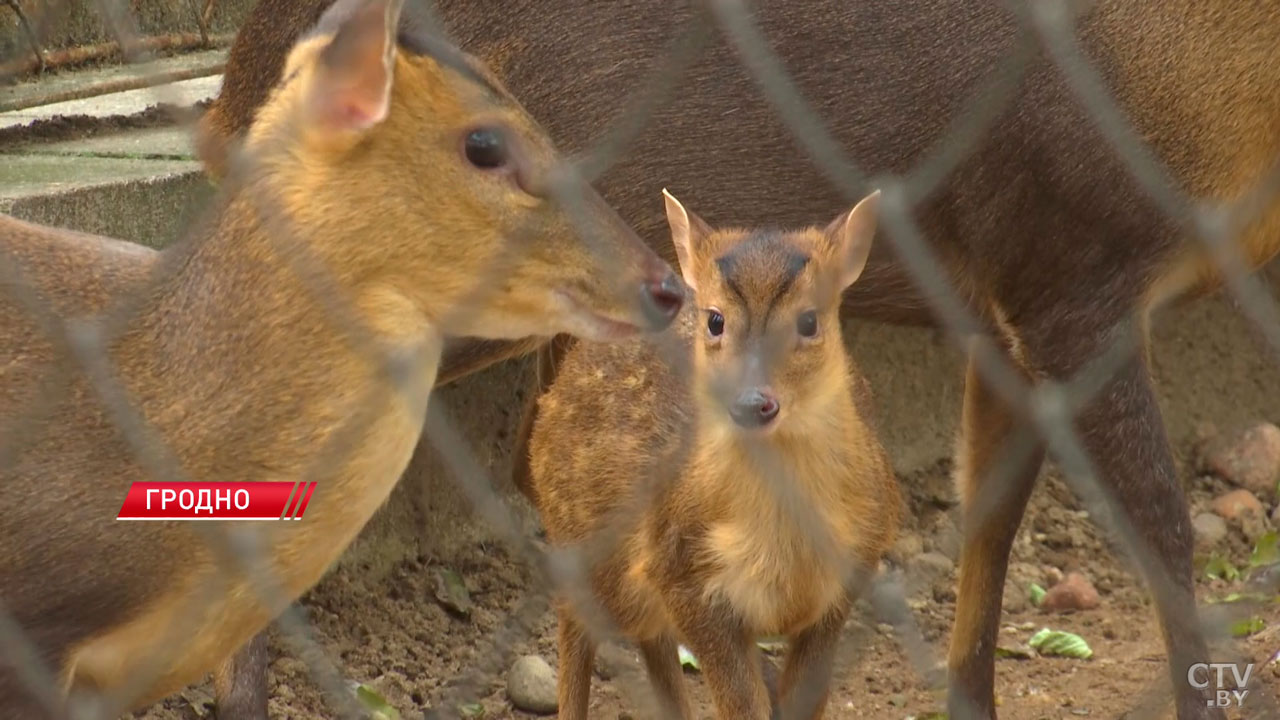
688, 232
850, 236
350, 88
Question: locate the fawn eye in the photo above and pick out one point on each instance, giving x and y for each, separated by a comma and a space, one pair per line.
807, 324
486, 148
715, 323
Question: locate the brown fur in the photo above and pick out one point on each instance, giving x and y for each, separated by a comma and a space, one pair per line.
746, 534
1040, 226
233, 361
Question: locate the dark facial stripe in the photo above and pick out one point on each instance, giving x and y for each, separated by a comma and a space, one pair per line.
725, 263
794, 265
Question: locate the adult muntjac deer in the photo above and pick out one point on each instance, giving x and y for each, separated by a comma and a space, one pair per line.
389, 175
1040, 226
770, 497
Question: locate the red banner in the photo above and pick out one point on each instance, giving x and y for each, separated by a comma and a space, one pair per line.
216, 501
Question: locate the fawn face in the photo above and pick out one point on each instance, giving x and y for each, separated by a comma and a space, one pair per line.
768, 302
406, 165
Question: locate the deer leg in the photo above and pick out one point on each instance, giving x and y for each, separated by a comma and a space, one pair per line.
730, 660
577, 653
662, 660
994, 486
240, 684
806, 679
1123, 435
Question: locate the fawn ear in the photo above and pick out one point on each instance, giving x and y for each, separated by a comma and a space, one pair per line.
849, 237
688, 231
350, 89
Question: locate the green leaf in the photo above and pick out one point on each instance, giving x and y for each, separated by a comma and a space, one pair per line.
451, 592
378, 707
1057, 642
1266, 551
773, 645
1014, 653
1037, 594
935, 715
1241, 597
1220, 567
687, 660
1247, 626
471, 710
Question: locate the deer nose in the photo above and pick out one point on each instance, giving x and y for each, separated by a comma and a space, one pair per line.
663, 298
755, 408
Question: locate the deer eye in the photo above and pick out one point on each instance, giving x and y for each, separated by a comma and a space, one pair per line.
715, 323
486, 148
807, 324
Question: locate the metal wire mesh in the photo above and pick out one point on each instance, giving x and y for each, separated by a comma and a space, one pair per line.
1051, 404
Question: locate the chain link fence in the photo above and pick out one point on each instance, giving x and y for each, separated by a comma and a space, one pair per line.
1051, 404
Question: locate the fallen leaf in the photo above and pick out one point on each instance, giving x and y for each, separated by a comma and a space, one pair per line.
774, 645
687, 659
1014, 653
1219, 567
451, 592
1057, 642
1247, 626
378, 707
1266, 551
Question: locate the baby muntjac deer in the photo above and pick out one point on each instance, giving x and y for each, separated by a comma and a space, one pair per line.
408, 175
783, 504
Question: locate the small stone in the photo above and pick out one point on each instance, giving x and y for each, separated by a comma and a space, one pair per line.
1075, 592
531, 685
946, 538
1242, 509
1252, 461
1053, 575
926, 570
1015, 596
613, 661
1210, 530
905, 549
940, 490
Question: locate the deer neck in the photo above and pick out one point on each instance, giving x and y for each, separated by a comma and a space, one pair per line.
273, 349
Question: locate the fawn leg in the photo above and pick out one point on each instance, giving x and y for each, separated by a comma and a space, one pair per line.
731, 662
1123, 435
994, 488
577, 653
806, 679
662, 660
240, 683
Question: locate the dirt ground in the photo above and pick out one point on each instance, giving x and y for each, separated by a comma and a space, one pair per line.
399, 639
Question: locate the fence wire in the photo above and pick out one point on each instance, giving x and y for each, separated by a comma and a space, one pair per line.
1051, 406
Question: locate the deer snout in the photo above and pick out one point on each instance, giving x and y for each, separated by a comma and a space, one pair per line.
662, 298
754, 408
